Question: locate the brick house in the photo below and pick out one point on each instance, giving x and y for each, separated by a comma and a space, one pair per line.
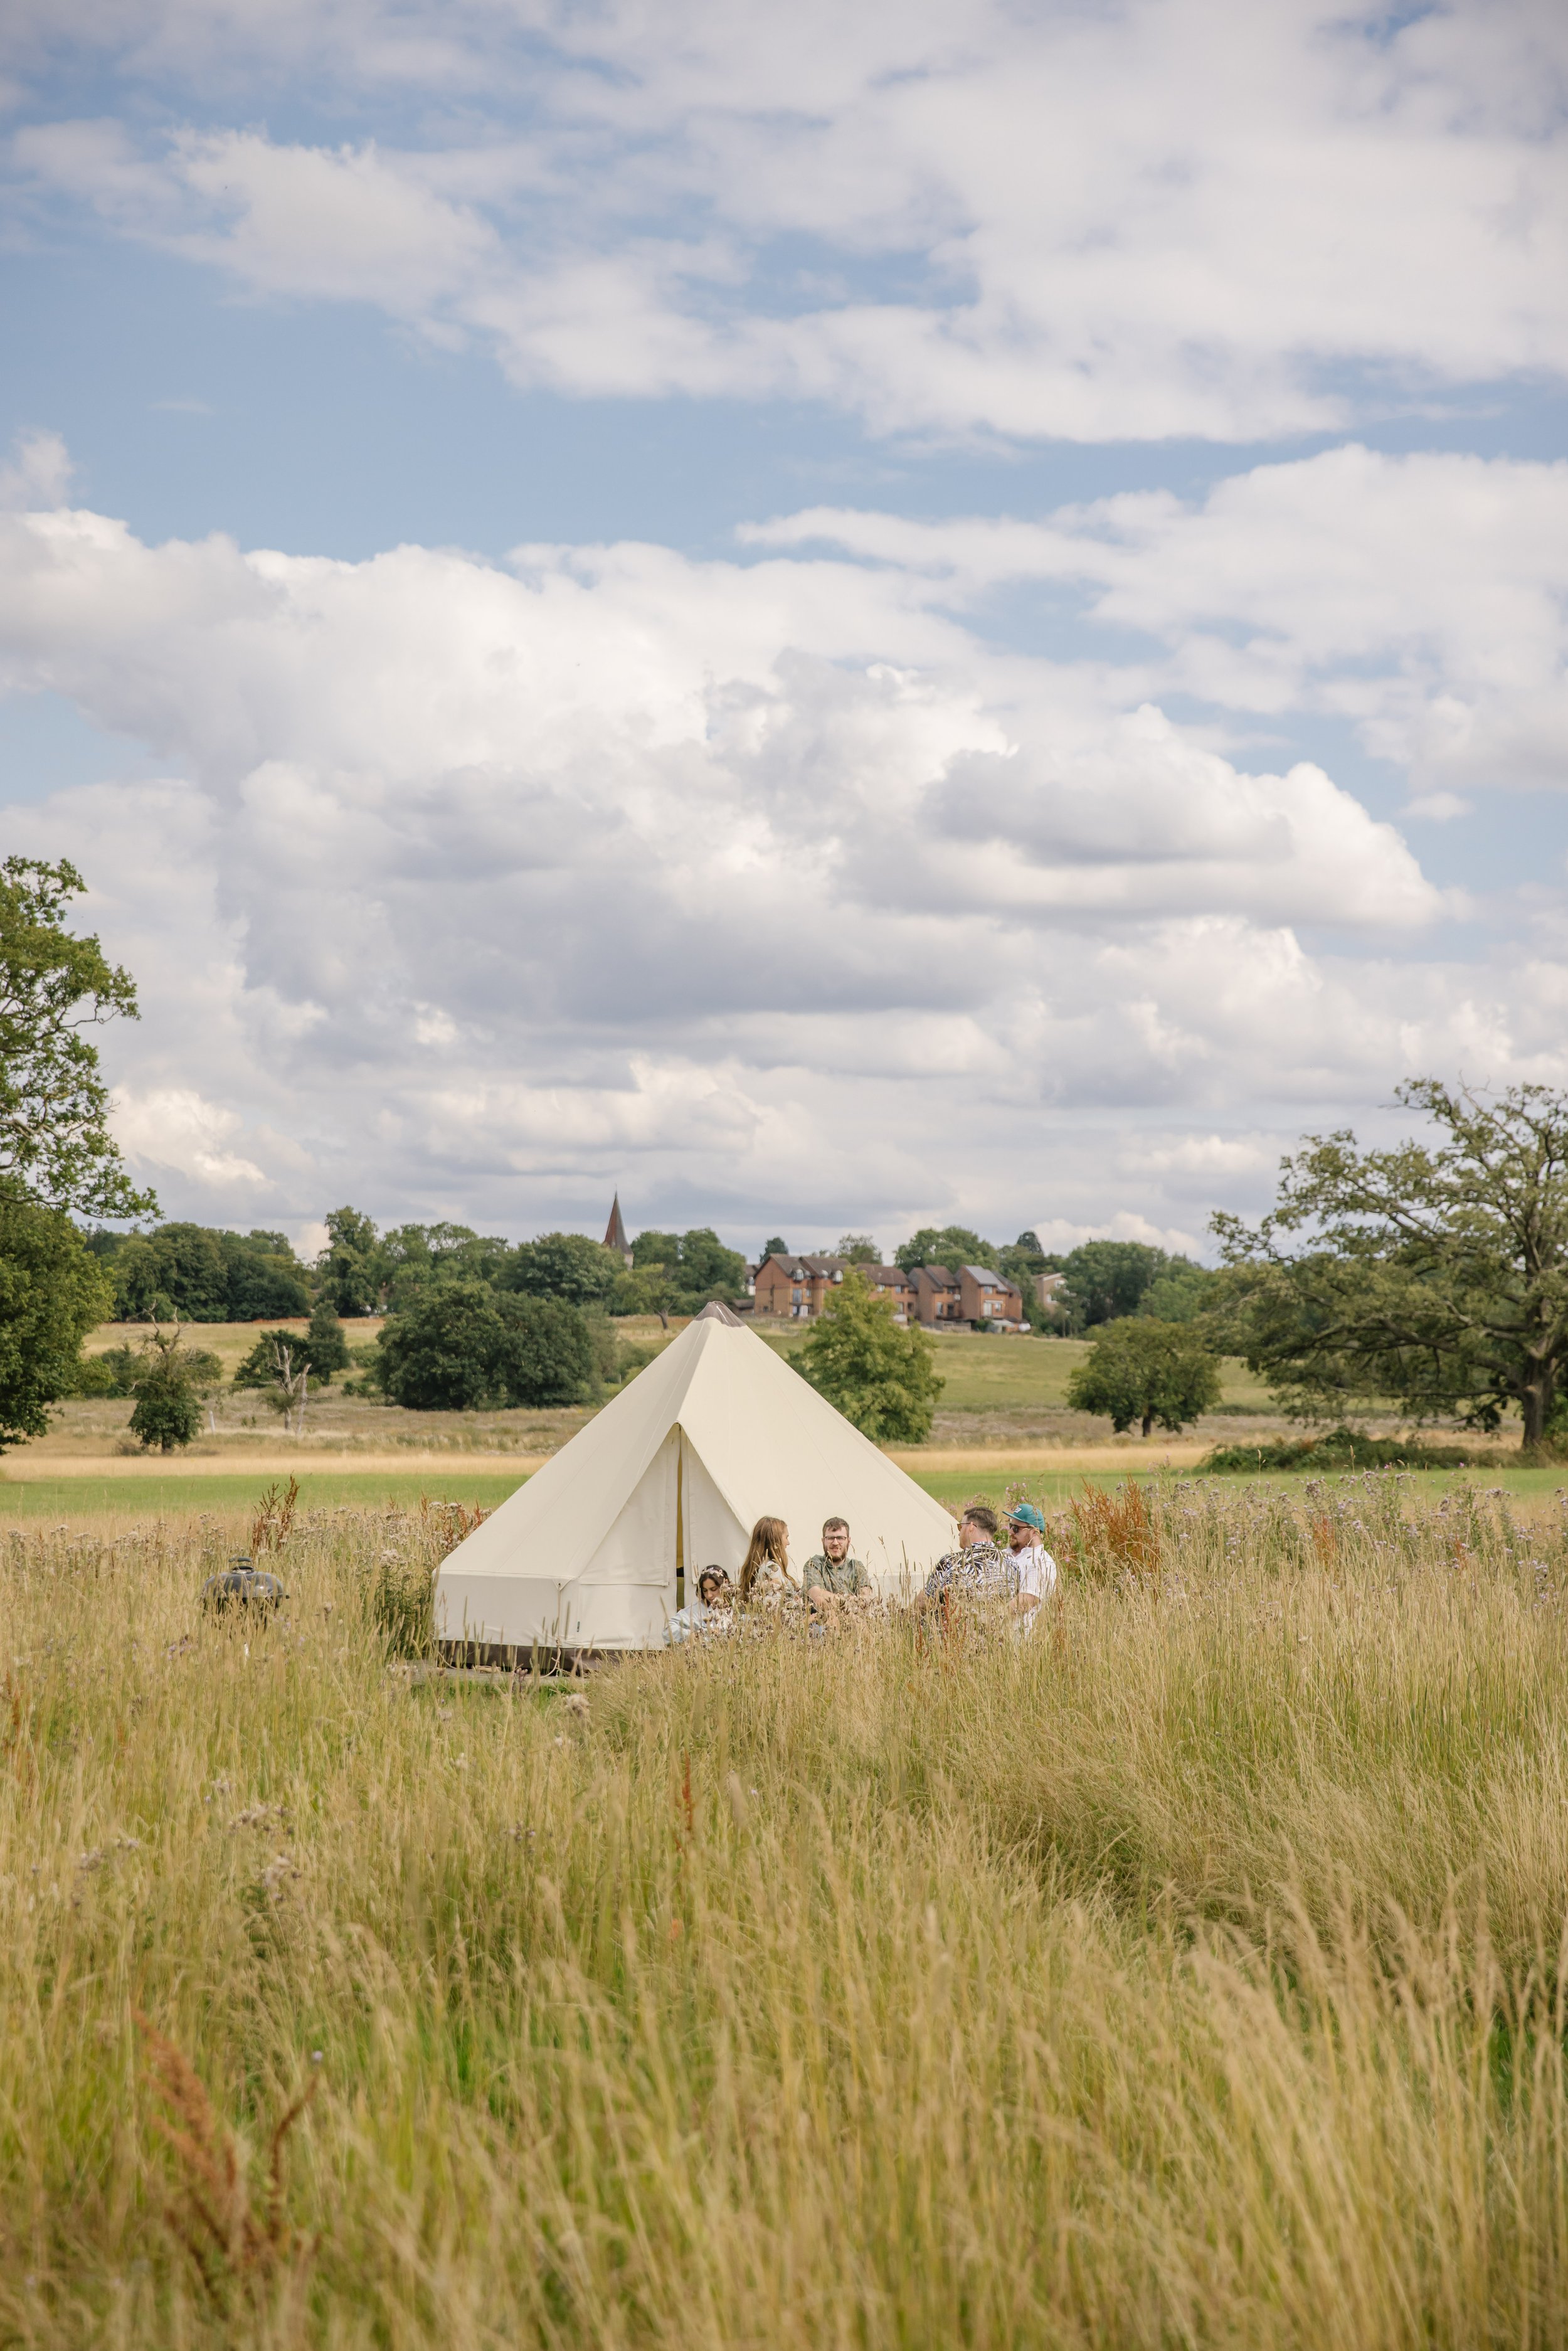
939, 1300
891, 1281
985, 1297
795, 1287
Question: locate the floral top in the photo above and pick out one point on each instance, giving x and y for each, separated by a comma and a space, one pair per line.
774, 1587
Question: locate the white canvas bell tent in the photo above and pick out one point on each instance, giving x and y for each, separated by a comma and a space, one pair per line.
716, 1433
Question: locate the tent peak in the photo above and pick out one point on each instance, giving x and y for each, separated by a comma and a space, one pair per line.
715, 1311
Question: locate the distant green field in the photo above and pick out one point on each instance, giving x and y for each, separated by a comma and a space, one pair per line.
982, 1374
62, 1500
1054, 1485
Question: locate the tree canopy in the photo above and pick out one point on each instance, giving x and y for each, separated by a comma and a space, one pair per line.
1435, 1273
52, 1293
1137, 1370
881, 1377
1022, 1259
168, 1395
324, 1340
415, 1256
352, 1268
462, 1345
54, 1143
679, 1271
277, 1358
948, 1245
1181, 1292
196, 1273
564, 1265
1107, 1279
857, 1248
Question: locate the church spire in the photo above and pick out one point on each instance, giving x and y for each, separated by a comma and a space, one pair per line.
615, 1232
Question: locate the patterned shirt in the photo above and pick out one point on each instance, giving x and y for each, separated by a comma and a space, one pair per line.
844, 1575
983, 1571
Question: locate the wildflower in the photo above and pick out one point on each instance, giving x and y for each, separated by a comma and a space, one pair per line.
261, 1816
277, 1874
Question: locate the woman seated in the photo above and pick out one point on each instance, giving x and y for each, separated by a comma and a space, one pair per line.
708, 1613
764, 1577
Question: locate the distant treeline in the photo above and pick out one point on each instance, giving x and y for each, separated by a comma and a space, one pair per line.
198, 1273
195, 1273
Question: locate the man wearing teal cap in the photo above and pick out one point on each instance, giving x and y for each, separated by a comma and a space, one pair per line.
1036, 1568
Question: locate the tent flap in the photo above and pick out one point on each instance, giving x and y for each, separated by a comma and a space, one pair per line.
640, 1547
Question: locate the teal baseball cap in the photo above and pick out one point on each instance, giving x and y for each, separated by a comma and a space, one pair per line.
1026, 1515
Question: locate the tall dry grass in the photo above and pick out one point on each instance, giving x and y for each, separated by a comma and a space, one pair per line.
1189, 1973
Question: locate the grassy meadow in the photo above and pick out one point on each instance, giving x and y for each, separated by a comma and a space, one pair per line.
996, 1390
986, 1377
1189, 1973
1003, 1419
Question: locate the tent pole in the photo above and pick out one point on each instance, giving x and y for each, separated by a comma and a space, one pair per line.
680, 1519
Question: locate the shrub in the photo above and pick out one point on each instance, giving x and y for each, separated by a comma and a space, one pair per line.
367, 1365
278, 1356
111, 1373
168, 1407
462, 1345
545, 1354
1116, 1534
1341, 1448
325, 1344
440, 1356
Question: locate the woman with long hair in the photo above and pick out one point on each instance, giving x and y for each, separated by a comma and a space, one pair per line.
765, 1570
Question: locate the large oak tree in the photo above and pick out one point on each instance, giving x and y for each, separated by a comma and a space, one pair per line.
1434, 1274
56, 1154
55, 1143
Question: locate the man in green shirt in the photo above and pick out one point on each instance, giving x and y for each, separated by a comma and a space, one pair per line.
832, 1574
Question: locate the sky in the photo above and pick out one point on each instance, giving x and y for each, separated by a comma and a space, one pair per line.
836, 619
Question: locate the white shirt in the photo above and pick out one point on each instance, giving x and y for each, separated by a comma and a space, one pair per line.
1037, 1579
694, 1619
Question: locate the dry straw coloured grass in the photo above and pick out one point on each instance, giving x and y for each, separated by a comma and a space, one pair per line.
1189, 1973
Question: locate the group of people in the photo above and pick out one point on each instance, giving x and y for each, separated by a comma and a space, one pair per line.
1017, 1572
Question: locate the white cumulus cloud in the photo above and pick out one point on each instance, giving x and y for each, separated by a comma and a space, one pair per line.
1173, 217
757, 887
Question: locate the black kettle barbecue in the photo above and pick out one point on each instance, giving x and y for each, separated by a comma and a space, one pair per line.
243, 1584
